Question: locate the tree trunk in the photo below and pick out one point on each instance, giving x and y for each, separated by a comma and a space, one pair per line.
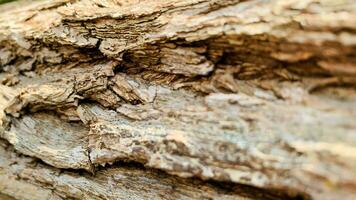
178, 99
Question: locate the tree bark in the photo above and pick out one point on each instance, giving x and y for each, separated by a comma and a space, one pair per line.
168, 99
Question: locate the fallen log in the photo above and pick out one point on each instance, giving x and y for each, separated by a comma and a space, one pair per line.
258, 95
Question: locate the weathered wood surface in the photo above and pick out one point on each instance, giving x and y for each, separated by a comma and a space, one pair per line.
252, 92
26, 178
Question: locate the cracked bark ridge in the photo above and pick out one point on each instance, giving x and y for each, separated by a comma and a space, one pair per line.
260, 93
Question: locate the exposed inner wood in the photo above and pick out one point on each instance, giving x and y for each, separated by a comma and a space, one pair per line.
258, 95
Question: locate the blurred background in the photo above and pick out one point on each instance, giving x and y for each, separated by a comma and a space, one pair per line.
5, 1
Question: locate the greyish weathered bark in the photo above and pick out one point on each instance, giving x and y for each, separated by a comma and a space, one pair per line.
178, 99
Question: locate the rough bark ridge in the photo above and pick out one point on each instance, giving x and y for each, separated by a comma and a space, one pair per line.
233, 99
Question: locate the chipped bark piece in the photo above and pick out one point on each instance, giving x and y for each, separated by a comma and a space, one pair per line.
5, 56
131, 90
94, 80
57, 143
252, 92
175, 60
89, 113
49, 96
26, 65
106, 98
63, 93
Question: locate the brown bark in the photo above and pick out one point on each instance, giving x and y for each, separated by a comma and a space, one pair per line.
258, 96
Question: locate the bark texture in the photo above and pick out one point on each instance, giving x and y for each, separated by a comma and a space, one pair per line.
168, 99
